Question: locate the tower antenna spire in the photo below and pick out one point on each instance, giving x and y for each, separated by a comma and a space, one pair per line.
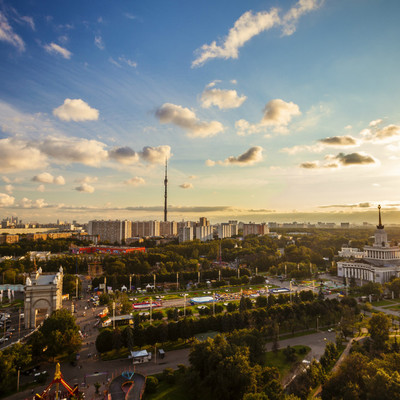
380, 226
165, 190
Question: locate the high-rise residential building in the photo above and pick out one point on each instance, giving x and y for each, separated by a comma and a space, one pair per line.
255, 229
185, 233
227, 230
203, 222
145, 228
111, 231
169, 228
204, 232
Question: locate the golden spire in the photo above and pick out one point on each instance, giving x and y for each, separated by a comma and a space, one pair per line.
380, 226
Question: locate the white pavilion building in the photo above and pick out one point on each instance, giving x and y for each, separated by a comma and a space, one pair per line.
380, 262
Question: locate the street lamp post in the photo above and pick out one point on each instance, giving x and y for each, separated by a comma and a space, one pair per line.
184, 304
113, 305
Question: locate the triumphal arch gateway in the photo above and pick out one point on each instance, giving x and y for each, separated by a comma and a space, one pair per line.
43, 295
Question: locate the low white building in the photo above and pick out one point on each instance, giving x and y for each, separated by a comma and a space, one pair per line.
351, 252
379, 263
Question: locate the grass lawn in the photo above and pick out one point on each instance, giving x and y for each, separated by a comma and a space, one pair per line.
278, 360
382, 303
394, 307
206, 335
166, 391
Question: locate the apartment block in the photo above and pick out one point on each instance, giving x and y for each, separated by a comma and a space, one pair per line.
111, 231
255, 229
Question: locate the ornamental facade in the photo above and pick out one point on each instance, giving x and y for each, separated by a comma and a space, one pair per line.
380, 262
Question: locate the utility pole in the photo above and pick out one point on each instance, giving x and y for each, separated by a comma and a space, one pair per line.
113, 314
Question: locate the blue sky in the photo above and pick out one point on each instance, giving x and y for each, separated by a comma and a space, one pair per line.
265, 109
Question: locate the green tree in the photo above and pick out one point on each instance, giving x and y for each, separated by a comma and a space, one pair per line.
378, 328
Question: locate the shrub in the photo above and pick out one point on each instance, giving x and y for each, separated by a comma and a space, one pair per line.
151, 384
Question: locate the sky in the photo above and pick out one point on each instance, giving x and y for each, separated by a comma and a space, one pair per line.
265, 110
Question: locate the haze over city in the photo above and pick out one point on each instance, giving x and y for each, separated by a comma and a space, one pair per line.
265, 110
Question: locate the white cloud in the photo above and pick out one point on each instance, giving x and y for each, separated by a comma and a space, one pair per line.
6, 200
292, 16
28, 203
41, 188
155, 155
249, 25
8, 35
17, 155
186, 119
57, 49
376, 122
29, 21
332, 142
85, 188
245, 28
98, 41
124, 155
73, 150
45, 177
186, 185
192, 177
127, 61
135, 181
343, 160
76, 110
87, 179
9, 188
277, 114
250, 157
222, 99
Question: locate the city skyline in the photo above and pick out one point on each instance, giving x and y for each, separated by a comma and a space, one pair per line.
265, 110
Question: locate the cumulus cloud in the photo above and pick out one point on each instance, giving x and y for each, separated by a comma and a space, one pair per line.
124, 155
135, 181
41, 188
334, 141
28, 203
8, 35
355, 159
76, 110
310, 165
152, 155
17, 155
250, 157
186, 119
45, 177
98, 41
155, 155
6, 200
186, 186
376, 122
341, 159
57, 49
249, 25
85, 188
277, 114
73, 150
222, 99
339, 141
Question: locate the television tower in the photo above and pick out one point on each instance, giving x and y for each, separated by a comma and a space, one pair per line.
165, 192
